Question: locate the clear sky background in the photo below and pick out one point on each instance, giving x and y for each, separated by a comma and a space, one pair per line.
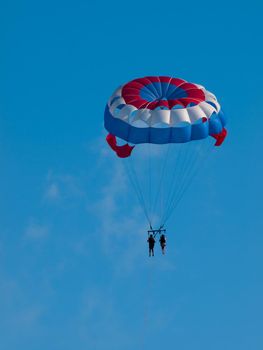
74, 271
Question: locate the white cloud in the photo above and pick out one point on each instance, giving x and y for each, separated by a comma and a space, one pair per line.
62, 187
18, 311
52, 191
98, 311
121, 224
36, 231
28, 317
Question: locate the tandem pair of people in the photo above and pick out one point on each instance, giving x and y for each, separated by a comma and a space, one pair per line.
151, 242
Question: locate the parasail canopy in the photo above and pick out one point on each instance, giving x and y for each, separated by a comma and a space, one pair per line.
164, 111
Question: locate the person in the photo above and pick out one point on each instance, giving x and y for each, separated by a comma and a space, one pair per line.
151, 242
162, 241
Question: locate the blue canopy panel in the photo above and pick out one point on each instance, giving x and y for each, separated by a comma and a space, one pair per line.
180, 134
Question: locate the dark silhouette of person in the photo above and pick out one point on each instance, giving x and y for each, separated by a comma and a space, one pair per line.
162, 241
151, 242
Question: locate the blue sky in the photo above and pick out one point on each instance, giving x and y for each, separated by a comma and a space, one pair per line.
74, 272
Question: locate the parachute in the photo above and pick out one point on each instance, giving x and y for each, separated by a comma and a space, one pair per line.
164, 127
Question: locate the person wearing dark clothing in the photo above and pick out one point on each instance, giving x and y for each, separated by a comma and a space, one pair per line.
151, 242
162, 241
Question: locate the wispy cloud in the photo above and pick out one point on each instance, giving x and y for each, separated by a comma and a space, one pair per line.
98, 312
35, 230
18, 311
121, 224
62, 187
52, 191
28, 316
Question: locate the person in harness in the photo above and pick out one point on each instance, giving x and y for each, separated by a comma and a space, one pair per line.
151, 242
162, 241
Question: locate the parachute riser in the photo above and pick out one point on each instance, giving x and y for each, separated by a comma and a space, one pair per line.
156, 232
